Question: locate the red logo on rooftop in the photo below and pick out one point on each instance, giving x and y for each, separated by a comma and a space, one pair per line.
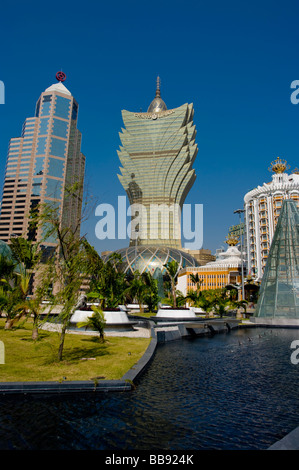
60, 76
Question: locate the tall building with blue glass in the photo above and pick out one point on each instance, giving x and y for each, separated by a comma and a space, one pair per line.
40, 164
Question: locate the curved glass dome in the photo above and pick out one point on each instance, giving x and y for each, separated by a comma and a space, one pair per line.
149, 258
5, 250
157, 105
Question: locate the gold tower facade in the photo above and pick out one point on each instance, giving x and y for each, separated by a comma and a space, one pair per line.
157, 152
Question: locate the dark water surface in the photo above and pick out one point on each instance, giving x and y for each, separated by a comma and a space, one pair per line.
205, 393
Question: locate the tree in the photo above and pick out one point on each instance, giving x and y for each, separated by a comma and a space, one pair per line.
33, 304
67, 266
196, 280
180, 298
137, 290
27, 255
10, 304
13, 282
221, 301
110, 283
151, 298
172, 268
201, 299
241, 304
7, 268
96, 321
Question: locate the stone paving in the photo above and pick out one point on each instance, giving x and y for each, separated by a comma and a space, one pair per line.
136, 332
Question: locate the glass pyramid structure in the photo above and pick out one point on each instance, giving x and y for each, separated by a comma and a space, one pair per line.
279, 292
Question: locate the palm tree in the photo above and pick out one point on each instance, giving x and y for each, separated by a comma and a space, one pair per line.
220, 305
27, 256
172, 268
241, 304
110, 283
12, 284
201, 299
96, 322
151, 295
137, 290
10, 304
180, 298
196, 280
7, 268
221, 301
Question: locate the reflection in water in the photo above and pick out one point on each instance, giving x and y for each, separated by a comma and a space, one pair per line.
232, 391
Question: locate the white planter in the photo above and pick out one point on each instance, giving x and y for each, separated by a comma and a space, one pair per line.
175, 313
111, 317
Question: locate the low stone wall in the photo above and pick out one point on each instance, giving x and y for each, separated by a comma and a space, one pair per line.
63, 387
159, 334
135, 371
279, 322
289, 442
124, 384
174, 331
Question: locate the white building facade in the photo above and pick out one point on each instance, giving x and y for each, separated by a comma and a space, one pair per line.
262, 208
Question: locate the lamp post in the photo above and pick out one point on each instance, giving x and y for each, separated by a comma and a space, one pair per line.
240, 211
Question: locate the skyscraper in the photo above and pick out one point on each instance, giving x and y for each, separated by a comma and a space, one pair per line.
279, 292
262, 208
157, 152
40, 164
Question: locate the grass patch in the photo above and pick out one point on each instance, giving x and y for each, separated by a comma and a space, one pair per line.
84, 358
143, 315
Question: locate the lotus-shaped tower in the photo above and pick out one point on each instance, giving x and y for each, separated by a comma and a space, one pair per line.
157, 153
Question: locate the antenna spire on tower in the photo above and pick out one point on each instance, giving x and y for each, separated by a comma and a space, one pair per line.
158, 94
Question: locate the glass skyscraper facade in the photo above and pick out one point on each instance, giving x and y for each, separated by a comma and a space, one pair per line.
157, 152
40, 164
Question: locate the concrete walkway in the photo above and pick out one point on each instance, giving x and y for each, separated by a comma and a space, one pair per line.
136, 332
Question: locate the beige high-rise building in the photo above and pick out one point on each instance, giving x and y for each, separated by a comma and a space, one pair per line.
41, 163
262, 208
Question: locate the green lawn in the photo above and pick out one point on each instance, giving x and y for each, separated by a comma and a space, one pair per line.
143, 315
84, 358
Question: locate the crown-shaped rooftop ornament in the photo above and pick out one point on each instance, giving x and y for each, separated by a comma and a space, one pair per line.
296, 171
232, 240
279, 166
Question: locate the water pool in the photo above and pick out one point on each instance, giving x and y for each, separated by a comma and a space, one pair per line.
233, 391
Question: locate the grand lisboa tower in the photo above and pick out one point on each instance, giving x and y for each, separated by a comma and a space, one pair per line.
157, 153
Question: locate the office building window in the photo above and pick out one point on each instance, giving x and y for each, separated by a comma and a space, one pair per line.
60, 128
39, 165
56, 167
54, 188
41, 146
36, 187
58, 147
43, 128
62, 107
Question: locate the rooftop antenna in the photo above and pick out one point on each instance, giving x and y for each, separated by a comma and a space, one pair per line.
158, 94
60, 76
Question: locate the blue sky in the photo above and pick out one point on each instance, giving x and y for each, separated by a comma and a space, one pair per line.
234, 61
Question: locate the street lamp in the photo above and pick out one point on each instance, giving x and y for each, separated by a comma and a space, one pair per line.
240, 211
